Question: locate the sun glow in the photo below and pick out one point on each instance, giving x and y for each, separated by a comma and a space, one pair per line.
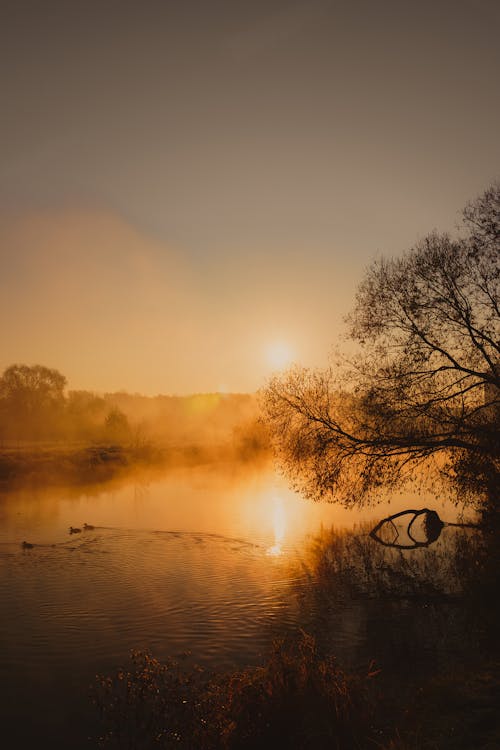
279, 354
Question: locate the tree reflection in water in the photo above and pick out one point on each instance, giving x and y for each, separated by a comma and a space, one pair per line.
410, 529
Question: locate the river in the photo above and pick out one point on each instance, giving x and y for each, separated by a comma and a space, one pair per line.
198, 563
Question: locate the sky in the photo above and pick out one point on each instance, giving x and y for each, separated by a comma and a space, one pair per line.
190, 191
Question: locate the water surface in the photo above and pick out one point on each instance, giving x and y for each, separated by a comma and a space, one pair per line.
199, 562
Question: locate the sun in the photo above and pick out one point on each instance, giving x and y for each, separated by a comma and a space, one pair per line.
279, 354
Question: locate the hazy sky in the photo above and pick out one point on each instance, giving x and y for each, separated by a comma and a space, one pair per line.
184, 183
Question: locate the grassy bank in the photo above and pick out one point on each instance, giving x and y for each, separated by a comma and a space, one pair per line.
71, 464
80, 464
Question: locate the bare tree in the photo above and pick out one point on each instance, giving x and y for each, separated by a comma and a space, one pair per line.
425, 389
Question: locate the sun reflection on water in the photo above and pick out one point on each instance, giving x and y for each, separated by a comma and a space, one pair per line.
279, 527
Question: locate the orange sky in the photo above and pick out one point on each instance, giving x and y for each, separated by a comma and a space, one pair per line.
114, 309
190, 192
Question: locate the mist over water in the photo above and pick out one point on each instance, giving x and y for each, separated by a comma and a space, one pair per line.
200, 560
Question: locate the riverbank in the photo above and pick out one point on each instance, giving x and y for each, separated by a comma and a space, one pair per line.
85, 464
62, 464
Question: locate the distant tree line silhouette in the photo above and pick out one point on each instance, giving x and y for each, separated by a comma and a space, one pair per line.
35, 407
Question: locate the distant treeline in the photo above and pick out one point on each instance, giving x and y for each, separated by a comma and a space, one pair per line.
35, 407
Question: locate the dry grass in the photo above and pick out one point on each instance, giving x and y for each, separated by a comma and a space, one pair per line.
297, 699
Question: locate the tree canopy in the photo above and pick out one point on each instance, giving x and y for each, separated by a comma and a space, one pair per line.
31, 399
424, 389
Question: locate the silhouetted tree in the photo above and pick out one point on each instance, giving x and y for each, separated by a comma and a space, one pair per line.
31, 400
116, 426
85, 412
426, 383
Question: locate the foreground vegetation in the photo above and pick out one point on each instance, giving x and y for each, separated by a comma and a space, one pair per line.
296, 694
423, 676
